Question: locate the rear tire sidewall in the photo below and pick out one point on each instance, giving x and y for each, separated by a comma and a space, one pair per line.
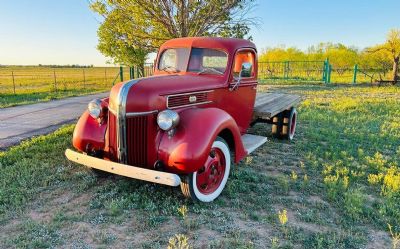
195, 192
291, 133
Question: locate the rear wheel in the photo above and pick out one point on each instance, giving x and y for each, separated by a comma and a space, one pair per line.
289, 124
207, 183
284, 124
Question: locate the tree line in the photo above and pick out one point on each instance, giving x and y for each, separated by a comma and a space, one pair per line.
131, 29
383, 57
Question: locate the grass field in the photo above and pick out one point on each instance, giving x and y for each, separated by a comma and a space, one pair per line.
336, 186
37, 84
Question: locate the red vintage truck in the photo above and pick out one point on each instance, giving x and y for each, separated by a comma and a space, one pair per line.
185, 125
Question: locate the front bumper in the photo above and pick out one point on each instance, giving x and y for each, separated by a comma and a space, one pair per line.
124, 170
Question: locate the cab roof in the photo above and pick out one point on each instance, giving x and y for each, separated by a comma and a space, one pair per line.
227, 44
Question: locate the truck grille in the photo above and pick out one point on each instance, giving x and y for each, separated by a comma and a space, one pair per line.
136, 140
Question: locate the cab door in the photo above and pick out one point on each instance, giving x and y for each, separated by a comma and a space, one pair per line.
240, 96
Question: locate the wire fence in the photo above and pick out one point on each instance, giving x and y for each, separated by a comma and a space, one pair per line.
318, 71
31, 79
44, 79
309, 71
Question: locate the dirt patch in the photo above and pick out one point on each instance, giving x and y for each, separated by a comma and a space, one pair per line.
378, 239
314, 228
317, 199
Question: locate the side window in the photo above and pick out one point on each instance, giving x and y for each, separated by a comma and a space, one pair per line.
243, 57
215, 59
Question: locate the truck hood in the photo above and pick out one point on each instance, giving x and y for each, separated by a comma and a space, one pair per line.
148, 94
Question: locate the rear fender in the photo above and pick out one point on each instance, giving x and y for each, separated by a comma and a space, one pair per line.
187, 150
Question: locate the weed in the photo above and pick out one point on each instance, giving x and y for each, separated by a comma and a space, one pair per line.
274, 242
182, 211
179, 241
395, 237
282, 215
293, 175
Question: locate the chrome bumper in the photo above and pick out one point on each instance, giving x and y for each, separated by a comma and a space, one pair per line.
124, 170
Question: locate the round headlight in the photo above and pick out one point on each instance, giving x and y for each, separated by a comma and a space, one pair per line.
94, 108
167, 120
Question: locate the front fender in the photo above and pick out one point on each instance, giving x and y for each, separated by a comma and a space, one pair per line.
187, 150
89, 131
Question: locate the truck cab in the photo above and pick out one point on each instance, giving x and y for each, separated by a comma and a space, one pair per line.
185, 125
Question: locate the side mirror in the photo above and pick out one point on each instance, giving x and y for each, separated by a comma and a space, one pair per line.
245, 71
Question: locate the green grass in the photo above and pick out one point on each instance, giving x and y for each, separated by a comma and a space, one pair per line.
339, 182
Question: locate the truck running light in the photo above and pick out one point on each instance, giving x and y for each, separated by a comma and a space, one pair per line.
167, 120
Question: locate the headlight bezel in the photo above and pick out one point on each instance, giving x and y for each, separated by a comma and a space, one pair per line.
167, 120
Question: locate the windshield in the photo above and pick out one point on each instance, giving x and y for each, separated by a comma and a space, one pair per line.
174, 59
200, 60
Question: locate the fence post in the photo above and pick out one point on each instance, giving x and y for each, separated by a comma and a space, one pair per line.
355, 74
329, 73
12, 73
84, 79
285, 70
325, 74
55, 80
121, 73
105, 76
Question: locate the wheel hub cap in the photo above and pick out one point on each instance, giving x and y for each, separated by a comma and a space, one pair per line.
209, 177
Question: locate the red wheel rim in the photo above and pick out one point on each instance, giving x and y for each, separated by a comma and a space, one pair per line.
210, 176
293, 125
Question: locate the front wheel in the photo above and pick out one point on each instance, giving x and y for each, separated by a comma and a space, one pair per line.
207, 183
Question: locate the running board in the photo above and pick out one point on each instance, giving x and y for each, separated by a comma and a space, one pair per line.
252, 142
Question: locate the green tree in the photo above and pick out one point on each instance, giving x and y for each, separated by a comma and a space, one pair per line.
390, 49
282, 54
133, 28
377, 60
341, 57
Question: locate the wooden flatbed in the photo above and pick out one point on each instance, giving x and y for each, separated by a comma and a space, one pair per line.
268, 105
278, 109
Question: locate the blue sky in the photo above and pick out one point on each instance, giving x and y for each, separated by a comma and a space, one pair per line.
64, 31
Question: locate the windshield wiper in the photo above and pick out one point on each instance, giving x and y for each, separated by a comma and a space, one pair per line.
208, 69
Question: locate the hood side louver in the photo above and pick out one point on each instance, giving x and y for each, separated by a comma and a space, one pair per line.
188, 99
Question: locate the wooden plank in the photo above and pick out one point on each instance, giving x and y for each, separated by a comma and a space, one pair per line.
278, 106
264, 98
270, 104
